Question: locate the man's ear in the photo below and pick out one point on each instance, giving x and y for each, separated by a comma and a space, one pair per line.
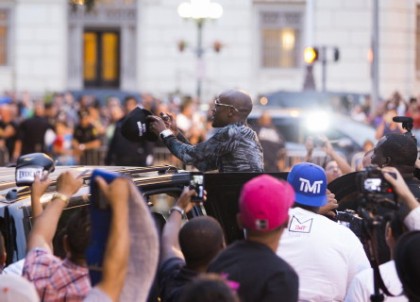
3, 258
387, 161
286, 223
231, 112
388, 232
66, 244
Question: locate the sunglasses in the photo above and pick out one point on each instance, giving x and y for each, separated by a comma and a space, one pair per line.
217, 103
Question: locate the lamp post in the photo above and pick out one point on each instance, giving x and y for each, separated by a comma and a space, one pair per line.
200, 11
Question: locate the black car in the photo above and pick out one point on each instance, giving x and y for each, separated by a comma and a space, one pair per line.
157, 184
341, 102
346, 135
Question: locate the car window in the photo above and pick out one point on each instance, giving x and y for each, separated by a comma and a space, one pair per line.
289, 127
159, 201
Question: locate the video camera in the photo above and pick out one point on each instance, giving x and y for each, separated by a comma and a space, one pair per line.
368, 200
375, 192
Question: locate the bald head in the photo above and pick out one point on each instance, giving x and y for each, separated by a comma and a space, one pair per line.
240, 99
231, 107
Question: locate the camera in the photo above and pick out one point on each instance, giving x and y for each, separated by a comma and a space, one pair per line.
372, 181
165, 117
351, 220
197, 183
377, 196
318, 142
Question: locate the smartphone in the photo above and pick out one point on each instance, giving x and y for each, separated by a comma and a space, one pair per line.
100, 216
96, 197
197, 183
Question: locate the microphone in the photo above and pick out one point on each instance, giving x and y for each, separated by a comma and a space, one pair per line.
407, 123
402, 119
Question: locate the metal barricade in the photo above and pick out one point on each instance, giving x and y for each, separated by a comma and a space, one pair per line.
293, 158
93, 157
162, 156
4, 157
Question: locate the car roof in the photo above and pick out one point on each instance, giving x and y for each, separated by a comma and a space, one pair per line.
302, 99
10, 193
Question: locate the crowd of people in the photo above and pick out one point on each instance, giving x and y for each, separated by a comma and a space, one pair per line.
87, 130
293, 248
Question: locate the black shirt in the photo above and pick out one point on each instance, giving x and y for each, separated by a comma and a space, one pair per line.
85, 134
172, 277
10, 141
122, 152
31, 133
262, 275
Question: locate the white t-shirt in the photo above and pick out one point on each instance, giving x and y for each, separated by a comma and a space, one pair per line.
15, 268
361, 288
97, 295
325, 255
412, 220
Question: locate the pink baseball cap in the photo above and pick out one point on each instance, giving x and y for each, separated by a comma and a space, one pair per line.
264, 203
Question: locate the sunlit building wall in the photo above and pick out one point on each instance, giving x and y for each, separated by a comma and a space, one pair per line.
46, 45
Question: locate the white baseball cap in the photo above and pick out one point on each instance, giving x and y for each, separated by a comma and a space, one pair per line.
16, 288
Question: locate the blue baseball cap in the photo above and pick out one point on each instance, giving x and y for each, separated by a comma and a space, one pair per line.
310, 184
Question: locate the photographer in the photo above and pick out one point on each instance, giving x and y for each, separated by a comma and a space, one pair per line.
399, 151
186, 251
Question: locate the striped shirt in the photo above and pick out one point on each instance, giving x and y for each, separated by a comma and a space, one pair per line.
54, 279
233, 148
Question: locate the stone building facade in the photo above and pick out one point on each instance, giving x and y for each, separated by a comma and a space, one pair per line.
50, 45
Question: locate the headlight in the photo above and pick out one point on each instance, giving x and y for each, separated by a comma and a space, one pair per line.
317, 121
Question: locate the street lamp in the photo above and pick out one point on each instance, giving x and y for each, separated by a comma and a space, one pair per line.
200, 11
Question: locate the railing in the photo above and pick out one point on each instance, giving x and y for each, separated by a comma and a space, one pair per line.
162, 156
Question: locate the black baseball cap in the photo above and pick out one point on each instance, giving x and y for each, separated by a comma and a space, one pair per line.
135, 126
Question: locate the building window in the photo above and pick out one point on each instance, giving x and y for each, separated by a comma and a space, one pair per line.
418, 41
280, 39
4, 33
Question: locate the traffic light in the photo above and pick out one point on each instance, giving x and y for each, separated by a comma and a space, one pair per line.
311, 55
336, 55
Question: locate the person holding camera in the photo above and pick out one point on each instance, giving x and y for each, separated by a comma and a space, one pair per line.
186, 252
325, 254
335, 165
399, 151
362, 285
56, 279
234, 147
